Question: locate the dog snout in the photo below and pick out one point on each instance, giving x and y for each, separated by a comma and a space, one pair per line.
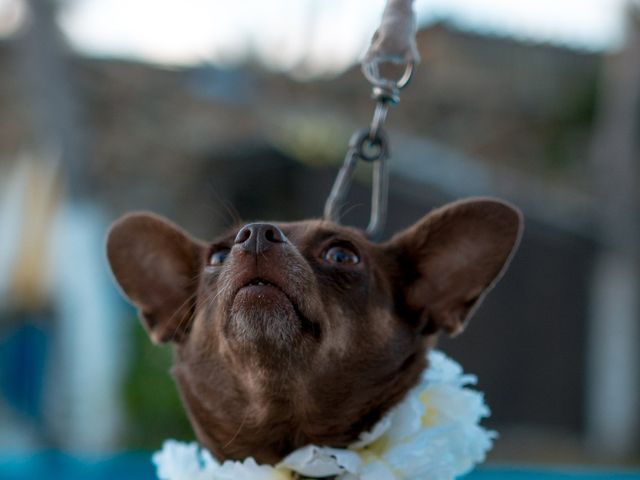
259, 237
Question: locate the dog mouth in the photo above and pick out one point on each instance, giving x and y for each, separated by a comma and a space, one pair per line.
260, 282
263, 293
261, 286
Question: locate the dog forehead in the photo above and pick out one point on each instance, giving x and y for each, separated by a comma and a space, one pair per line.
317, 230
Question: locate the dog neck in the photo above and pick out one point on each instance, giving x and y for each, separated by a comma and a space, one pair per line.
272, 414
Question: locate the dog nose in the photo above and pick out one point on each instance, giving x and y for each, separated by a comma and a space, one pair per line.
259, 237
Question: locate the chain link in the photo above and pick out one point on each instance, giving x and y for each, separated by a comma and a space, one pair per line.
371, 145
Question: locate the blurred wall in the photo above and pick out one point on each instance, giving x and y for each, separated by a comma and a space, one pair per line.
206, 146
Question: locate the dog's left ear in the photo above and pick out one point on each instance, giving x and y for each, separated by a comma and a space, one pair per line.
452, 257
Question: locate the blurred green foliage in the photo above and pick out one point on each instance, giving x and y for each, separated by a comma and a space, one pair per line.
153, 407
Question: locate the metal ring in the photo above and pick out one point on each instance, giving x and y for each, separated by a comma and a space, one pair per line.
362, 137
372, 73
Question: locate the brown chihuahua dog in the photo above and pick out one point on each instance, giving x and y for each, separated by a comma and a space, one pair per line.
302, 333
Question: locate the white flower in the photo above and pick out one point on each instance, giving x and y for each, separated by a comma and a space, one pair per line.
182, 461
433, 434
442, 369
378, 430
376, 470
248, 470
406, 419
322, 461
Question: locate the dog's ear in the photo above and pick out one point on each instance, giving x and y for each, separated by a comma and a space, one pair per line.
452, 257
156, 264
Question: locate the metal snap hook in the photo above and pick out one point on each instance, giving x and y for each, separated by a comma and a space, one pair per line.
380, 184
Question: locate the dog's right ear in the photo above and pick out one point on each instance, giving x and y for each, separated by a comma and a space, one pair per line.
156, 264
453, 257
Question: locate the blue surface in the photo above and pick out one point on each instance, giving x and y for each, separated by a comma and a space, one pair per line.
130, 466
23, 356
518, 474
59, 466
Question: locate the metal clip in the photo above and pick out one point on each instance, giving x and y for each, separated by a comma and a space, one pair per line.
363, 146
370, 145
385, 89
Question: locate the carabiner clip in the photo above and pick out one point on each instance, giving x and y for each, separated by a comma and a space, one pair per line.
374, 149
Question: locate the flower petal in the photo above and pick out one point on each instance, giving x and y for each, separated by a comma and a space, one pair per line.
322, 461
182, 461
379, 429
406, 418
248, 470
377, 470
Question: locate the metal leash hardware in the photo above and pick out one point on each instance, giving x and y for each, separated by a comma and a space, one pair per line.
370, 145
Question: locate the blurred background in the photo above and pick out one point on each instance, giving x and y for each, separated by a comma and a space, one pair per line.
205, 110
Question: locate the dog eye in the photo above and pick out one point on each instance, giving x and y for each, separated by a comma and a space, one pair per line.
340, 255
218, 257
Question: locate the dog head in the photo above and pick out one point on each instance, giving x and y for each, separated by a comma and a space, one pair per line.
301, 333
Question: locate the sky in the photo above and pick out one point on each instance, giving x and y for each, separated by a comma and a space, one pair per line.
313, 36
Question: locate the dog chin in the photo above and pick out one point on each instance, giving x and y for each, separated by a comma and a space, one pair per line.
264, 320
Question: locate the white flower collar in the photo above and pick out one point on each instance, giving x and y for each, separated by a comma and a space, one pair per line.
433, 434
